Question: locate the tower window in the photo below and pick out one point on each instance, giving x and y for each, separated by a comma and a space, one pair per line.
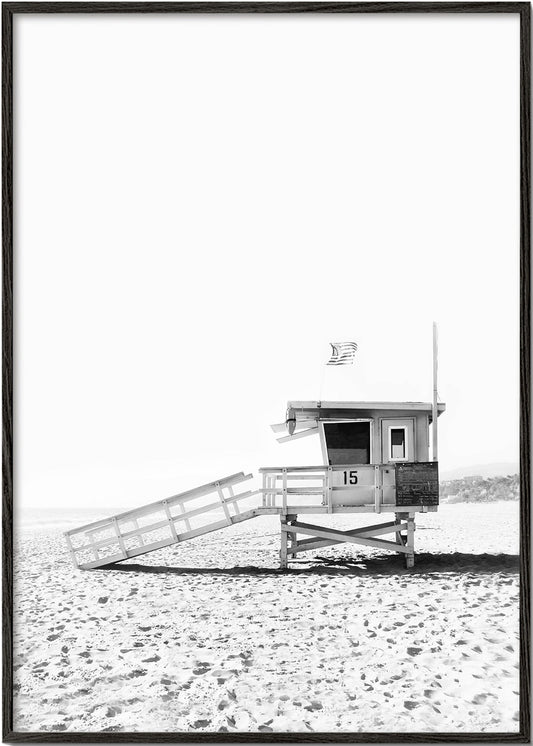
398, 443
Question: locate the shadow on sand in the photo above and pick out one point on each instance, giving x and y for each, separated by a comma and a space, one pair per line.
425, 564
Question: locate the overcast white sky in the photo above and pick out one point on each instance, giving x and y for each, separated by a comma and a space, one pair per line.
203, 203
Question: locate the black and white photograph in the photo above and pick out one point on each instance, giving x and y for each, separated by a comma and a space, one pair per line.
266, 371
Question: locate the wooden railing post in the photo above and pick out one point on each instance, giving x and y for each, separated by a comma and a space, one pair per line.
223, 502
235, 504
410, 556
93, 548
283, 548
119, 538
186, 520
170, 520
329, 490
284, 485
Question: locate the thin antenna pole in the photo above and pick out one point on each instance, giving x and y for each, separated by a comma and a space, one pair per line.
434, 408
322, 382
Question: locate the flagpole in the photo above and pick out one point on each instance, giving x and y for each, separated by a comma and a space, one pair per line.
322, 382
435, 395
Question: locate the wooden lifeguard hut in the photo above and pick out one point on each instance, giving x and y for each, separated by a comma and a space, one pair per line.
375, 459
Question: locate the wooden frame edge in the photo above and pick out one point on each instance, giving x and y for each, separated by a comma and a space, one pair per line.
8, 11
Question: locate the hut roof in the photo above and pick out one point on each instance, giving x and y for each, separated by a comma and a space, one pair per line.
315, 407
305, 410
306, 414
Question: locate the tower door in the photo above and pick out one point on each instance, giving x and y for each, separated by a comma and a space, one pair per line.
397, 440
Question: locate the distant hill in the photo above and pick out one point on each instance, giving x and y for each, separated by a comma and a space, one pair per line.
479, 490
485, 471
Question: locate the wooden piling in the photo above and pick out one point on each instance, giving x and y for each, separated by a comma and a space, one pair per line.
410, 556
283, 549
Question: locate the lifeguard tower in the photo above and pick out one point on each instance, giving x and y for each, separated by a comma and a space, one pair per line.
376, 459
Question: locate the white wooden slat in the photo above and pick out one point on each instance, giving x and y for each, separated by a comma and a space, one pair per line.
103, 543
109, 526
202, 491
102, 562
197, 511
212, 506
304, 477
337, 510
245, 516
277, 469
343, 487
203, 530
105, 522
242, 496
144, 529
296, 490
135, 552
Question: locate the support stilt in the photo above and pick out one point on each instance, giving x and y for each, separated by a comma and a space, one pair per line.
322, 536
398, 535
410, 556
283, 549
288, 540
293, 539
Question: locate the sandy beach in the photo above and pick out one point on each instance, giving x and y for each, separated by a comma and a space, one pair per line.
211, 636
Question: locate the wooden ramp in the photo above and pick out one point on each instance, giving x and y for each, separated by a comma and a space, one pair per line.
162, 523
285, 491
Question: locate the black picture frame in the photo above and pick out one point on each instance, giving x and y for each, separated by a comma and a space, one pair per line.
9, 11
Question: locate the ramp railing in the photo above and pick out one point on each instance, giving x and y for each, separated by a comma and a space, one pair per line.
160, 523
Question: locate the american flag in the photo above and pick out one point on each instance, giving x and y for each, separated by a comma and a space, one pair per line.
342, 353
